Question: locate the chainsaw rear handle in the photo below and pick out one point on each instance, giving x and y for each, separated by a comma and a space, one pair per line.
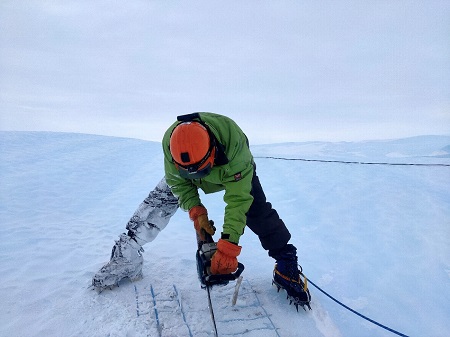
224, 277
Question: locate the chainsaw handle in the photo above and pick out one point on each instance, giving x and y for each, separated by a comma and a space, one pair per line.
208, 237
225, 277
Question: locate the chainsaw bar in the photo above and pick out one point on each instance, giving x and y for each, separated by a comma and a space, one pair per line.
206, 249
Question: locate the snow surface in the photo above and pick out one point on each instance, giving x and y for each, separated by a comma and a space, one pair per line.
377, 237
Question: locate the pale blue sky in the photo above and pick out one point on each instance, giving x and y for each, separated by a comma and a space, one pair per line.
284, 70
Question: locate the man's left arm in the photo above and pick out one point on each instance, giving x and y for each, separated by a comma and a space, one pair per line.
238, 200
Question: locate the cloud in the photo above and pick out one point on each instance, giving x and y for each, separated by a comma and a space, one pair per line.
321, 63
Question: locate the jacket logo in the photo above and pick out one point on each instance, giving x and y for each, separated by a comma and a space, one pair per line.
237, 176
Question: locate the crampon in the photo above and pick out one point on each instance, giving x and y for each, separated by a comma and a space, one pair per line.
296, 289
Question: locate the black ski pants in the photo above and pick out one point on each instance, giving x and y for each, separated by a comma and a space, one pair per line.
265, 222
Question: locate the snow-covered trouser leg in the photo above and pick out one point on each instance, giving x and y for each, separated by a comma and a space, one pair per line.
126, 261
152, 216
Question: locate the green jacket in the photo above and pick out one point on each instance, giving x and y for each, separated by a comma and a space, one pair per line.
235, 177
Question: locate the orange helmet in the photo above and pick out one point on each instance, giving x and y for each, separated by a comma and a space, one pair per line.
192, 149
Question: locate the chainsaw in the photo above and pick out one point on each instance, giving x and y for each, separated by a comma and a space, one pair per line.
205, 251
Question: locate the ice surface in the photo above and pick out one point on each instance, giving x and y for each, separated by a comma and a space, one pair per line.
376, 237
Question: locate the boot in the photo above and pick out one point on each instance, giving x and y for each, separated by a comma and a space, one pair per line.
287, 276
126, 262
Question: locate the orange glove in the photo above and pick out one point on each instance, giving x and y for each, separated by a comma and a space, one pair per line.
199, 215
224, 260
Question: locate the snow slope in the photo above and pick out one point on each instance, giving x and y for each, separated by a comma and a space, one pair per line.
376, 237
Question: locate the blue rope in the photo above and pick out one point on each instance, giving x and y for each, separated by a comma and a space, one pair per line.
350, 162
357, 313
